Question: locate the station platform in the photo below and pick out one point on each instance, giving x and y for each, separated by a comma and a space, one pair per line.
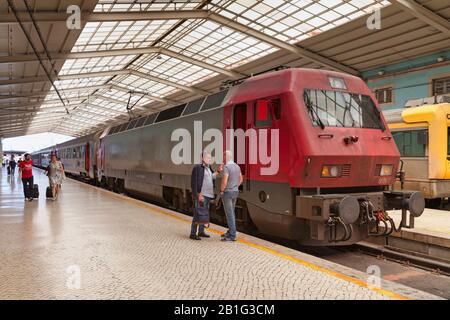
430, 236
94, 244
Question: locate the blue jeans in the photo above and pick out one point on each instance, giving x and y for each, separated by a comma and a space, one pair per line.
201, 227
229, 199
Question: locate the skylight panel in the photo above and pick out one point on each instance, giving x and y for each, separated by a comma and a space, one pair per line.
345, 9
201, 40
316, 9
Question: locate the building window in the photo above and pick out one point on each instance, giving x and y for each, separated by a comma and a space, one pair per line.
411, 143
441, 86
384, 95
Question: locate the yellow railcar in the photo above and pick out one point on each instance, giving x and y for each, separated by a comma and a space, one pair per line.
422, 137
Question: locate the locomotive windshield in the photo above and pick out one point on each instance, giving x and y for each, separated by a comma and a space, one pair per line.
328, 108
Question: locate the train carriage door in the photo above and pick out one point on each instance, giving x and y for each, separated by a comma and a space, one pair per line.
87, 162
240, 123
265, 115
101, 157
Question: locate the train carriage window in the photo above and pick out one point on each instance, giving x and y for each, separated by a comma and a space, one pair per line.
132, 124
150, 119
193, 106
140, 122
214, 100
171, 113
115, 129
411, 143
123, 127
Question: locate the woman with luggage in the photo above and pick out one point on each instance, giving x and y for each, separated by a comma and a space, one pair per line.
55, 175
26, 170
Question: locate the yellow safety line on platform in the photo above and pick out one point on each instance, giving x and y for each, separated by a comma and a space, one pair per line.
310, 265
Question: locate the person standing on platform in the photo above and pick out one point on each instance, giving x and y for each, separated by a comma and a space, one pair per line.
12, 165
229, 191
26, 168
55, 175
202, 185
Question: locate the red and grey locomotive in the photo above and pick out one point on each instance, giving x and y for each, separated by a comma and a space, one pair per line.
336, 158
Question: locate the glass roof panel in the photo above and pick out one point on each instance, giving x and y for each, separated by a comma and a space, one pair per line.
200, 41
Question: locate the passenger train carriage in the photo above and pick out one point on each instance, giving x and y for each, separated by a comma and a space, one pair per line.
41, 158
422, 135
337, 157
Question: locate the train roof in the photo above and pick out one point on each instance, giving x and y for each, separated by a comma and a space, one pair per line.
397, 115
393, 116
48, 149
77, 141
250, 88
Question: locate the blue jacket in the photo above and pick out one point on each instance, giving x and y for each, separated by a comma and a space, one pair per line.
198, 173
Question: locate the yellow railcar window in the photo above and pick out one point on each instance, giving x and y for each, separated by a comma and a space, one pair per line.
448, 141
411, 143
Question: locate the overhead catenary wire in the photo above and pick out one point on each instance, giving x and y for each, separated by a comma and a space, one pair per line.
14, 11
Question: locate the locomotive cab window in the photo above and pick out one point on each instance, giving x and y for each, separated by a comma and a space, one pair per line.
332, 108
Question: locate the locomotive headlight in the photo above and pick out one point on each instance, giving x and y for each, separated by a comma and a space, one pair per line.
331, 171
386, 169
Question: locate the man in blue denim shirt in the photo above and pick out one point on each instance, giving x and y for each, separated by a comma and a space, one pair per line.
229, 190
202, 185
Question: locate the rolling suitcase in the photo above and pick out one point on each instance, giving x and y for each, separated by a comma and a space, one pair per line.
35, 191
48, 192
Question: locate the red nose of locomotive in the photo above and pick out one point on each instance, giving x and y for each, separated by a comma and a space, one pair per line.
344, 139
346, 157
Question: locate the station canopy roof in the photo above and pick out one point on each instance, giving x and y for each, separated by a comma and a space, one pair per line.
131, 58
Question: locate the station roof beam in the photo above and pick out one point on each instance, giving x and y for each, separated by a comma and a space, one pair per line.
424, 14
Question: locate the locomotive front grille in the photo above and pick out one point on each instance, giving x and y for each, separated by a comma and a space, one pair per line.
345, 171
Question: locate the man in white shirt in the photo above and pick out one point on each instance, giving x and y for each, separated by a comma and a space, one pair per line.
202, 185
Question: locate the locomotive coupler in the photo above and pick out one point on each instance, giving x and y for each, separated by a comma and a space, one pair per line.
411, 201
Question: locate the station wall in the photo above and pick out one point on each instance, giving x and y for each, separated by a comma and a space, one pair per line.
410, 79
